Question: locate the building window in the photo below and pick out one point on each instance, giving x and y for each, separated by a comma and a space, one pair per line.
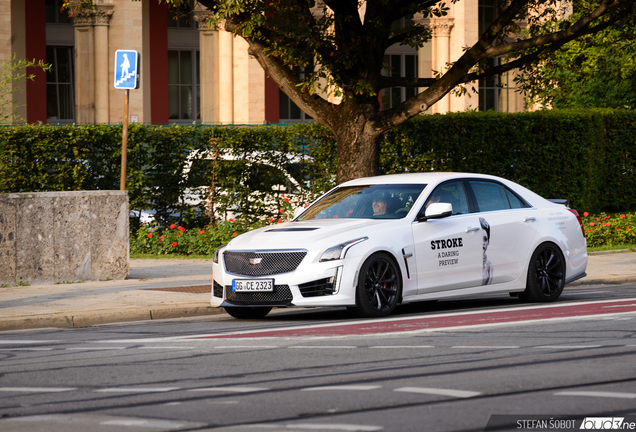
399, 65
60, 101
288, 111
183, 85
497, 93
55, 14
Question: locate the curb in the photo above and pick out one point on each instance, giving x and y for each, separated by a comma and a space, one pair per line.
608, 280
105, 317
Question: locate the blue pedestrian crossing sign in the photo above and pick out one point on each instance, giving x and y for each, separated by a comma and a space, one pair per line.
126, 69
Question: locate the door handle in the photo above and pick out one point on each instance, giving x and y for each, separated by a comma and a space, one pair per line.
529, 219
473, 229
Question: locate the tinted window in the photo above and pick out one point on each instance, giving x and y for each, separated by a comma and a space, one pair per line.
490, 196
515, 202
451, 192
392, 201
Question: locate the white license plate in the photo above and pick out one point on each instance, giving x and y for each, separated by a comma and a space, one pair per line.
253, 285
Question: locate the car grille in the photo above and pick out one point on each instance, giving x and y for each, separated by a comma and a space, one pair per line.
280, 296
217, 290
317, 288
271, 262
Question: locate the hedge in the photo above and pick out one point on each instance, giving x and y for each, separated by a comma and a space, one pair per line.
584, 156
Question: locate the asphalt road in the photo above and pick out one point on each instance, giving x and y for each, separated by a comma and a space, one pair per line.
410, 373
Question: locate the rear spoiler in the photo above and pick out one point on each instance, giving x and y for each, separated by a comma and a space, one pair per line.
564, 202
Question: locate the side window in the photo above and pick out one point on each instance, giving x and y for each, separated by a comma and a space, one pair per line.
515, 202
490, 196
451, 192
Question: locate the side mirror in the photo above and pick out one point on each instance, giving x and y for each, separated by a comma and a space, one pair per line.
436, 211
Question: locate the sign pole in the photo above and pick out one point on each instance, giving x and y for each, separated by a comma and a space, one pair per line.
124, 143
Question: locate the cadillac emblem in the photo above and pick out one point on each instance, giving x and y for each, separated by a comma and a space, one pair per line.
255, 261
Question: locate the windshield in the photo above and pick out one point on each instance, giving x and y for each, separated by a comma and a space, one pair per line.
392, 201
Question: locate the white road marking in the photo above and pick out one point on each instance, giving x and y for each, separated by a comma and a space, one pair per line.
343, 387
19, 342
165, 347
246, 346
402, 346
568, 346
438, 391
144, 423
619, 395
37, 389
485, 347
136, 390
323, 346
320, 426
26, 349
230, 389
95, 348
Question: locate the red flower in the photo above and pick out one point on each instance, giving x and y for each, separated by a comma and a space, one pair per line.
306, 205
282, 195
286, 200
234, 233
622, 216
231, 220
627, 229
607, 217
598, 220
149, 235
182, 229
281, 211
174, 244
172, 226
589, 230
161, 238
201, 232
178, 234
271, 219
585, 214
280, 221
591, 223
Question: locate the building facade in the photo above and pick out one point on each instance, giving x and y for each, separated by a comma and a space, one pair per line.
190, 73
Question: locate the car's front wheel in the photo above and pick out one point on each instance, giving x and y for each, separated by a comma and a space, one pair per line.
248, 312
379, 287
546, 274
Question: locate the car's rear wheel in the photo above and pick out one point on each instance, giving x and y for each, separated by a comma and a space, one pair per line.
546, 274
248, 312
379, 287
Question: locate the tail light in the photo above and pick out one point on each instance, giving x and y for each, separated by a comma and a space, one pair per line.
578, 218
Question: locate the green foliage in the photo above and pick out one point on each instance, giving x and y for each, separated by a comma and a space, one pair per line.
607, 230
11, 73
594, 71
584, 156
587, 157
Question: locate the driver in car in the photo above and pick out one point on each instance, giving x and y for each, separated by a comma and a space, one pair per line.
379, 204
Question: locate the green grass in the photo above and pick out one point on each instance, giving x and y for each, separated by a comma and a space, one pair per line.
631, 247
168, 256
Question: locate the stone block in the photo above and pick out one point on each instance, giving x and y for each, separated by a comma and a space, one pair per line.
51, 237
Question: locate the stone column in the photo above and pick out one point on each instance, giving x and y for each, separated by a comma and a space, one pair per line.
226, 77
208, 66
441, 35
103, 81
84, 66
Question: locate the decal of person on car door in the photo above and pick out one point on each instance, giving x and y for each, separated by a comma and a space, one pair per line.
487, 265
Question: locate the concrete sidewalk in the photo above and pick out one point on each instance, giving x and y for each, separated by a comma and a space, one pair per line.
176, 288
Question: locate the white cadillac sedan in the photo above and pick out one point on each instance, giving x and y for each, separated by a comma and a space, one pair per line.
373, 243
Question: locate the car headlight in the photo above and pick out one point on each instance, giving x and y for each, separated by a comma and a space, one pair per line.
217, 251
339, 251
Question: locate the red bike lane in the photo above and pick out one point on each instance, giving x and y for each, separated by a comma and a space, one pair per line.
443, 321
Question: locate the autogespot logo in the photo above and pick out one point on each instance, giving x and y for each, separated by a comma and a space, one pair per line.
603, 423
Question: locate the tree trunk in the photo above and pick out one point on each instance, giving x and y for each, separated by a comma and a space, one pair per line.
358, 145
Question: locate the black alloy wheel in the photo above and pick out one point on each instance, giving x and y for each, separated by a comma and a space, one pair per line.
248, 312
379, 287
546, 274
